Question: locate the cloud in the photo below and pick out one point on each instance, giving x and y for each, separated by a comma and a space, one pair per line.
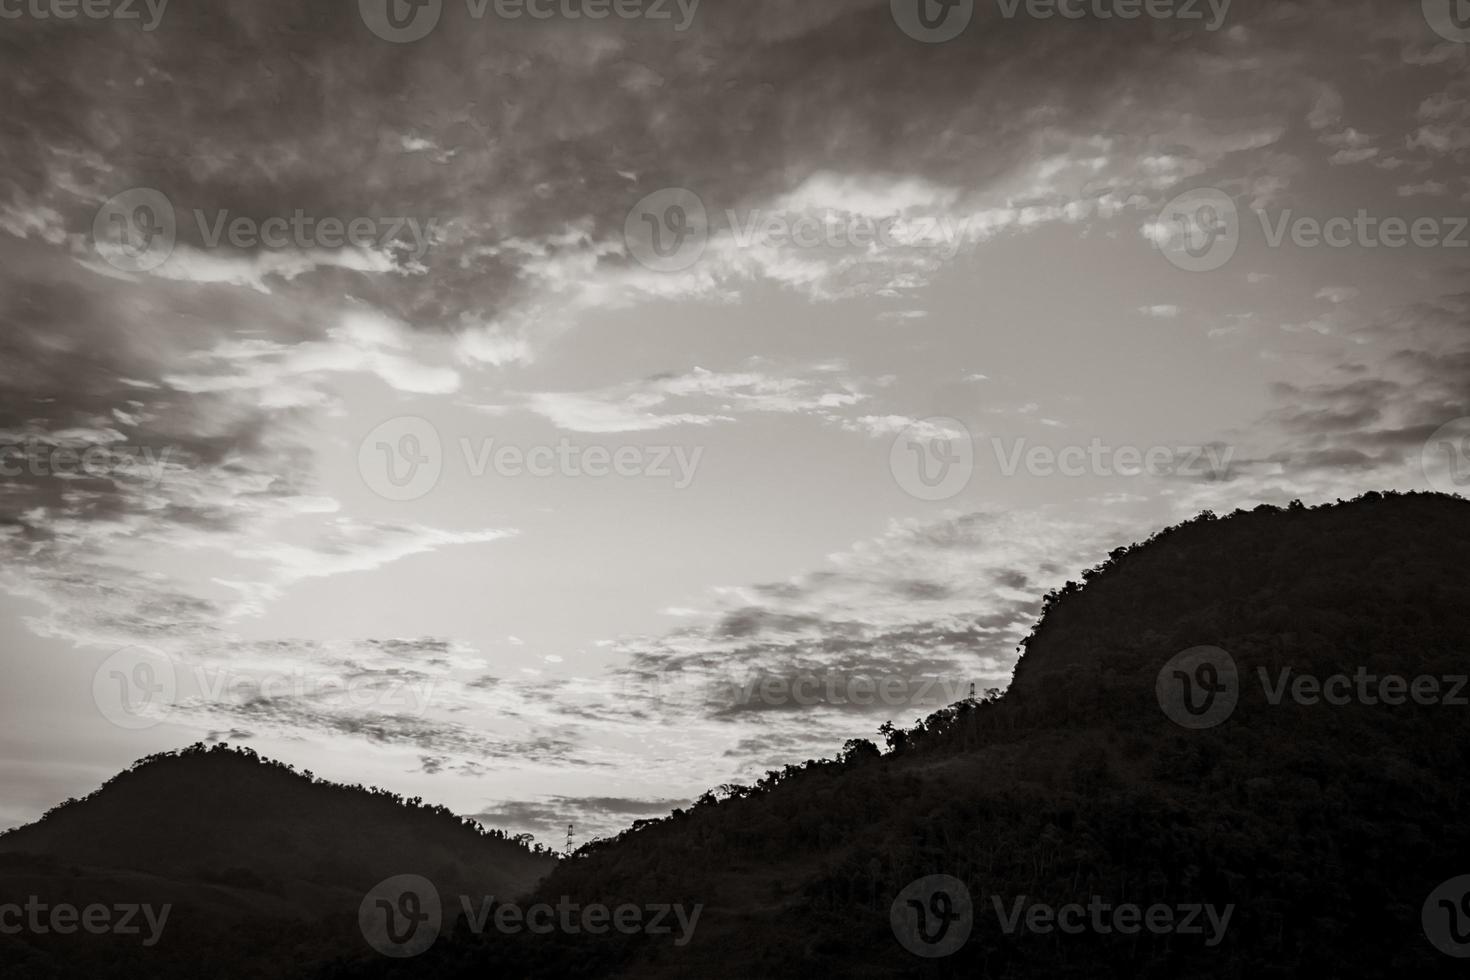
1366, 412
699, 397
531, 190
893, 628
1429, 188
289, 375
346, 546
887, 426
1337, 294
177, 430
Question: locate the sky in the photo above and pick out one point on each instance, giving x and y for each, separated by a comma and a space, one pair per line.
557, 416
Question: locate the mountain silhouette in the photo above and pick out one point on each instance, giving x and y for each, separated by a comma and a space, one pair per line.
1165, 745
1328, 831
239, 846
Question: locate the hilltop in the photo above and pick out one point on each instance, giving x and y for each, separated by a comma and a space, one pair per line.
242, 846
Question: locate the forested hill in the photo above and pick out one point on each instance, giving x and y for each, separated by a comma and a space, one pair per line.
263, 867
1285, 575
222, 813
1324, 827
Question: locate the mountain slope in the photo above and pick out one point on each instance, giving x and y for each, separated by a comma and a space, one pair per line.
239, 845
1324, 828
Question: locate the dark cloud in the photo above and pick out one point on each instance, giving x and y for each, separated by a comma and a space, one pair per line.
523, 131
752, 620
1408, 376
920, 590
232, 735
